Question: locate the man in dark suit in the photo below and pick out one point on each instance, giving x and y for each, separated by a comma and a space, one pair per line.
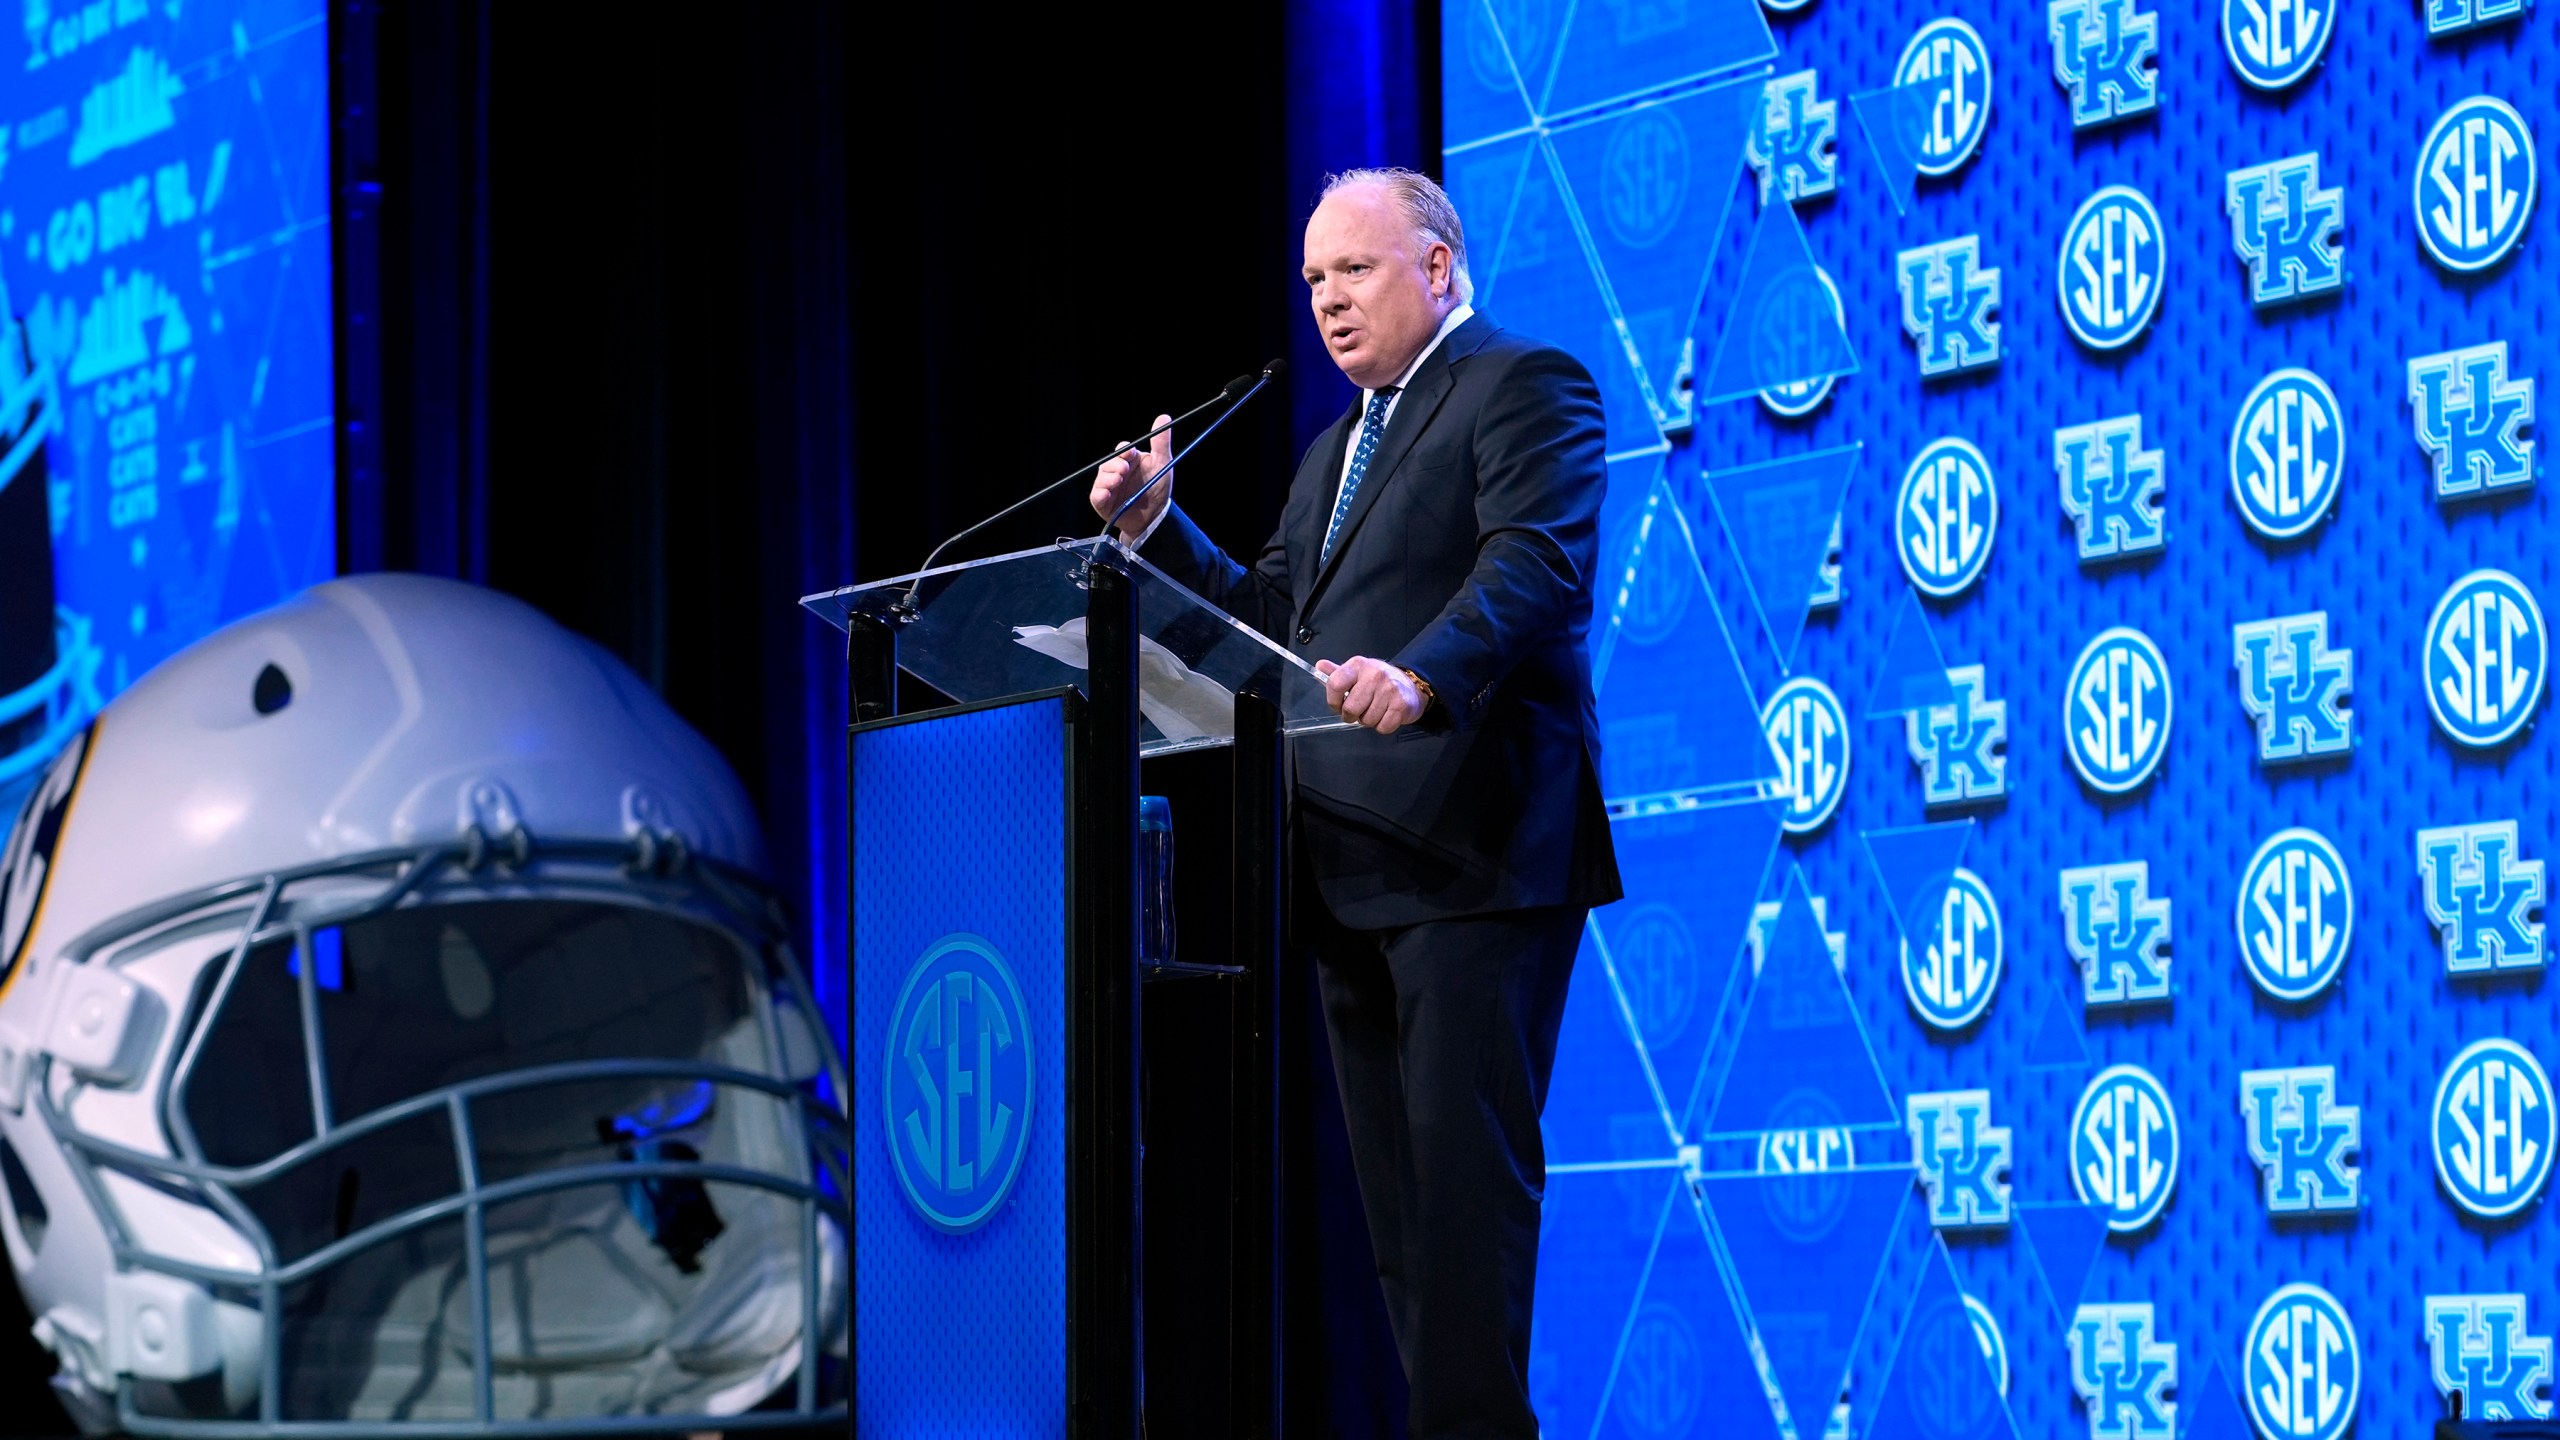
1436, 561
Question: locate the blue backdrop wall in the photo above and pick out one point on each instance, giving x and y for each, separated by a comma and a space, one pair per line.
2219, 1079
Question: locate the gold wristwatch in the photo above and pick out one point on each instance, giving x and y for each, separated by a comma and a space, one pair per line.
1430, 697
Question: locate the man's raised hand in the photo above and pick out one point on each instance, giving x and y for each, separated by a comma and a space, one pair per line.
1124, 474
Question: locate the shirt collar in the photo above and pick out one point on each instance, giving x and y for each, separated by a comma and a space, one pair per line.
1451, 321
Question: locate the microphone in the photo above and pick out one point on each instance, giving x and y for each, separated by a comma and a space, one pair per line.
1270, 371
1246, 384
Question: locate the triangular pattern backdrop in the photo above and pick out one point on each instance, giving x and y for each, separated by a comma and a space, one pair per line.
1981, 378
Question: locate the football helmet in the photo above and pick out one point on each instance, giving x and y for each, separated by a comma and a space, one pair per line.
395, 1038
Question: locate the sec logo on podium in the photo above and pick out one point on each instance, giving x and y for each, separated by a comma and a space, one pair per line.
2487, 654
1808, 732
2475, 183
2297, 911
2124, 1147
2288, 454
2114, 265
2491, 1124
1950, 980
1945, 517
1950, 53
2300, 1366
2116, 710
959, 1085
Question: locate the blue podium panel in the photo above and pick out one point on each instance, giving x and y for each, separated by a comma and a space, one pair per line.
959, 1072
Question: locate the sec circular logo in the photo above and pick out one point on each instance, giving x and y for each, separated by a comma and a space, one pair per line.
1948, 53
1803, 1146
1524, 28
1950, 979
2297, 911
2475, 184
2288, 453
2273, 43
2491, 1125
1944, 1340
2124, 1146
1945, 516
2115, 260
1658, 1390
1986, 1333
1794, 330
959, 1085
1653, 591
2116, 710
2303, 1366
1808, 732
2487, 652
1657, 964
1646, 176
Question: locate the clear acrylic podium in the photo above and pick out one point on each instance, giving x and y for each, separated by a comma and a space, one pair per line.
1140, 666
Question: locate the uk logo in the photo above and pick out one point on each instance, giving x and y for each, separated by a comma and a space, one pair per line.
2099, 52
2478, 1347
2300, 1137
2273, 43
2295, 687
2478, 890
2288, 454
2297, 912
1949, 981
1945, 517
2491, 1126
2124, 1147
2285, 229
1764, 924
2117, 933
1808, 732
2111, 488
2301, 1366
2116, 710
1962, 1158
2445, 17
2115, 263
1947, 300
959, 1085
2475, 183
2470, 419
2487, 655
1960, 746
2123, 1373
1790, 140
1948, 53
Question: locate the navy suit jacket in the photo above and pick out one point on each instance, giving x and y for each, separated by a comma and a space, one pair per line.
1468, 557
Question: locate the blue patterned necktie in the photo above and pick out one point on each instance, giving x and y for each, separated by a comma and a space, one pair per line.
1372, 426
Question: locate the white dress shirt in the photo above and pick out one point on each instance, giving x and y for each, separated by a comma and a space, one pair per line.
1451, 321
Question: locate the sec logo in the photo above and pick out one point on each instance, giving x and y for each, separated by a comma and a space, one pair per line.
2475, 183
2297, 911
1950, 979
1809, 734
1647, 170
1805, 1144
1657, 966
1946, 1399
2114, 265
2301, 1366
2487, 652
2116, 710
1945, 516
959, 1085
1995, 1346
2124, 1147
1949, 53
2273, 43
1658, 1390
1790, 337
2492, 1128
1504, 29
2288, 454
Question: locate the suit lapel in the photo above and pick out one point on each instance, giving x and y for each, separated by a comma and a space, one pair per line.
1414, 409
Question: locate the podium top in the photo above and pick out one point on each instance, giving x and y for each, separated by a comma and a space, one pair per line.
1015, 623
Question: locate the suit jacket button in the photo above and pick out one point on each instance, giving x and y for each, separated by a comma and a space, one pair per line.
1306, 633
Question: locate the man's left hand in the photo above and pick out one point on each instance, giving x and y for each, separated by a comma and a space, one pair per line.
1371, 693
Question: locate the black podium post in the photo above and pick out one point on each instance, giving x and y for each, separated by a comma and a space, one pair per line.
1259, 882
1102, 1067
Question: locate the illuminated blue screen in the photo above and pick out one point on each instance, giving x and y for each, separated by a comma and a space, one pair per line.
165, 309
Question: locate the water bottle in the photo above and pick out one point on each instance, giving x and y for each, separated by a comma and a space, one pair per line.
1155, 880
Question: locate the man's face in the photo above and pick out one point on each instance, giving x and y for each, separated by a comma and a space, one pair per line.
1378, 297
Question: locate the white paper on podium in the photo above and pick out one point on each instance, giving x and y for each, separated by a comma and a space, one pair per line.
1178, 700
